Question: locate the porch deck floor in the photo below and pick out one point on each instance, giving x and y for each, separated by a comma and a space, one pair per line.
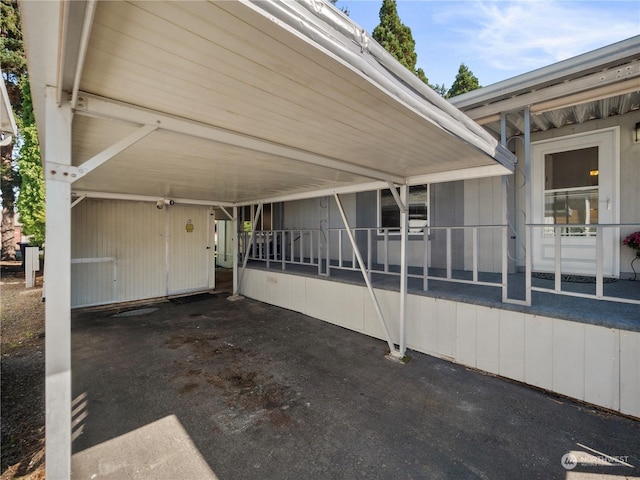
605, 313
244, 390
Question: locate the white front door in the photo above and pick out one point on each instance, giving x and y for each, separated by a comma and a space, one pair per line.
189, 254
574, 183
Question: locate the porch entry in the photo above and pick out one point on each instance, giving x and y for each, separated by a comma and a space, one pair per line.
574, 184
189, 249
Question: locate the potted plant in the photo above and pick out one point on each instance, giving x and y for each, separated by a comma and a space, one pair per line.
633, 241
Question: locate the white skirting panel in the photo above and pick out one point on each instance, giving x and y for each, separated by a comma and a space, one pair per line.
594, 364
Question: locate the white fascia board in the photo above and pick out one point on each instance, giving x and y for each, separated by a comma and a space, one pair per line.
599, 59
319, 25
8, 121
361, 187
100, 107
463, 174
440, 177
599, 85
146, 198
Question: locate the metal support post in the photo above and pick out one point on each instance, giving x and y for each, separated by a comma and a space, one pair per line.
404, 235
57, 149
505, 216
527, 194
234, 241
392, 348
250, 242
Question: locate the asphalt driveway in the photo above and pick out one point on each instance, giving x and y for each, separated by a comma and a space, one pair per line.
244, 390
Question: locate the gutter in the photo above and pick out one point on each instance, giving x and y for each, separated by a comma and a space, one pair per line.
319, 22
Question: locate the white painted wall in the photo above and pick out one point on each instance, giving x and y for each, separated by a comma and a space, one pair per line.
590, 363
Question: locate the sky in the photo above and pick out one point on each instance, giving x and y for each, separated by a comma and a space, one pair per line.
499, 39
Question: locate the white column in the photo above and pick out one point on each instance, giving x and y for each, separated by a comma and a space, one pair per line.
528, 206
404, 233
234, 241
505, 216
57, 149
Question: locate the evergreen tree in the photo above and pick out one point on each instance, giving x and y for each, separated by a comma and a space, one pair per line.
396, 38
465, 82
31, 199
13, 63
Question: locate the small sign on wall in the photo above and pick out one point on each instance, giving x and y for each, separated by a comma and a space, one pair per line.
189, 227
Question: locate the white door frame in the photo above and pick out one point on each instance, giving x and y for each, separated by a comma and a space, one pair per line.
608, 142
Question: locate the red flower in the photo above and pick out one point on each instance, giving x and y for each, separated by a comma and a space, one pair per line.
633, 241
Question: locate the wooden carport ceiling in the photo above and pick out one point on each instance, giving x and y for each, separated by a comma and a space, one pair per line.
230, 66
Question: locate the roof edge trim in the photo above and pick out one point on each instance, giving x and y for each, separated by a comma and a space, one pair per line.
604, 57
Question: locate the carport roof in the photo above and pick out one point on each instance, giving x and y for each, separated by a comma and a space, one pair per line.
236, 102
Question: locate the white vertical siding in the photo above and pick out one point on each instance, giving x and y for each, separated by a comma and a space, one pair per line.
511, 352
134, 233
590, 363
630, 373
130, 232
140, 249
538, 351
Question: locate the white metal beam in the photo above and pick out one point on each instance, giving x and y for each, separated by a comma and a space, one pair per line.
462, 174
325, 192
392, 348
402, 205
147, 198
99, 107
110, 152
58, 292
226, 212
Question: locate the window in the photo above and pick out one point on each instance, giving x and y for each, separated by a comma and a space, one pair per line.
571, 191
389, 213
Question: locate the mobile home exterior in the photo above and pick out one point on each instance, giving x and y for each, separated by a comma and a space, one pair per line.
336, 167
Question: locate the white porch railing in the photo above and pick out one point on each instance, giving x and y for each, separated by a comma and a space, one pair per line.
312, 247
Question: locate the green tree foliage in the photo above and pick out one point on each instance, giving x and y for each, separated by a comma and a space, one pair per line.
21, 170
13, 62
465, 82
31, 199
396, 38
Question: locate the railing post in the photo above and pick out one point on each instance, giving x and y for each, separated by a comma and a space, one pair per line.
475, 253
369, 253
599, 261
448, 253
505, 266
386, 250
319, 252
425, 260
283, 242
557, 232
